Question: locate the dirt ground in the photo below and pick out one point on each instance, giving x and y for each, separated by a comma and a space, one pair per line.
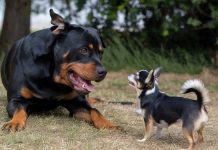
54, 130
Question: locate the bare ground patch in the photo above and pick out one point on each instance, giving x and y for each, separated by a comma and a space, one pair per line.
54, 130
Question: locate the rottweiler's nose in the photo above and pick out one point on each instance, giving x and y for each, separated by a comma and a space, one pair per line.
101, 73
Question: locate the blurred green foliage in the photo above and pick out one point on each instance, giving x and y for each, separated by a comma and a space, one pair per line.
164, 23
124, 53
176, 30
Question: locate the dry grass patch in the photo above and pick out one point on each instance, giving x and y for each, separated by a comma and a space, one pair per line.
54, 130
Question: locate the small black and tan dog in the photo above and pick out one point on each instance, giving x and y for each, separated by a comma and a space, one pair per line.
54, 67
162, 110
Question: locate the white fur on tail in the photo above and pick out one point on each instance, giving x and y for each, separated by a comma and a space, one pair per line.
197, 85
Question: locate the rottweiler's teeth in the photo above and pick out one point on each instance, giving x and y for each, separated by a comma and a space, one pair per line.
84, 85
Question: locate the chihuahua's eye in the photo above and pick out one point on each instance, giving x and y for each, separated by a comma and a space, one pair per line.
84, 51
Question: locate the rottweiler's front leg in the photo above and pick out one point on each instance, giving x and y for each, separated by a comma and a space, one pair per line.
100, 121
17, 112
92, 100
81, 110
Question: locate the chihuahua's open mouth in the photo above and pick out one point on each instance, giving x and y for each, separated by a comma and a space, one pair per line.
131, 83
80, 84
131, 80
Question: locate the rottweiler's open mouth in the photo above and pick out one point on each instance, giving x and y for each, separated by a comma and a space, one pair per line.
80, 84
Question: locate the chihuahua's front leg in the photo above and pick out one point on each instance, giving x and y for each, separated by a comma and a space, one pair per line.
148, 128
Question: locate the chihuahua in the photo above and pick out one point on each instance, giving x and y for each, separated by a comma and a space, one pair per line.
161, 110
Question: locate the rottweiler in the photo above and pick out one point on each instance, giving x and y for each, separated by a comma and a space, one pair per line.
54, 67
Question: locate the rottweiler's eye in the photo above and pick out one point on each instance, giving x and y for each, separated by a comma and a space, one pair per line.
84, 51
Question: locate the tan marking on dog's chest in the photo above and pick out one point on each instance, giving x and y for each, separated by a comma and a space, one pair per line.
28, 94
69, 96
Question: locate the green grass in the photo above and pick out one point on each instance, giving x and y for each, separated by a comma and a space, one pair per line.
125, 53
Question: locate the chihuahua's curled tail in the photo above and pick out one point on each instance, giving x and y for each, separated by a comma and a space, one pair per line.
196, 86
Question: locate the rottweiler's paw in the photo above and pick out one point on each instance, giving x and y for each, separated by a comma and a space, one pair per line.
100, 121
92, 100
105, 124
14, 126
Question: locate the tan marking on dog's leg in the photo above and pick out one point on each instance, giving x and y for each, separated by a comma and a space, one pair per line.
92, 100
100, 121
190, 137
148, 129
83, 114
200, 134
95, 117
17, 122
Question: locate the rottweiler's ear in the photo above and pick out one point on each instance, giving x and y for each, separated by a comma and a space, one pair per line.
101, 38
102, 41
58, 21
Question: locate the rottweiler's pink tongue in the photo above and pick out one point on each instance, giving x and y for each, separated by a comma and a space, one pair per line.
81, 84
88, 87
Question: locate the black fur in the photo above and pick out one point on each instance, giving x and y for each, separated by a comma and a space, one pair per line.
170, 109
163, 110
35, 60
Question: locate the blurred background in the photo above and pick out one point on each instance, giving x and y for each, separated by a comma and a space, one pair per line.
179, 35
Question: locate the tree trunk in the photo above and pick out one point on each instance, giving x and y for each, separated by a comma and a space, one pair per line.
16, 22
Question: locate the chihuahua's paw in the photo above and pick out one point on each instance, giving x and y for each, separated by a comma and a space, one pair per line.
142, 140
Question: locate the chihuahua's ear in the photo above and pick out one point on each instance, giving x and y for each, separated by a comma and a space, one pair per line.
157, 72
57, 21
150, 76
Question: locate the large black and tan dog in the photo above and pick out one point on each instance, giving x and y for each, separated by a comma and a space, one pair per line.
54, 67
